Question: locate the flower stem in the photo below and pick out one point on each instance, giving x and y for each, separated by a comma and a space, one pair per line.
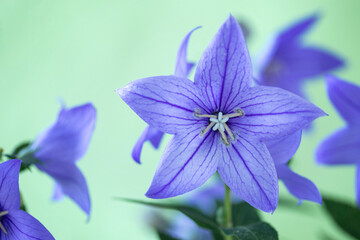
227, 210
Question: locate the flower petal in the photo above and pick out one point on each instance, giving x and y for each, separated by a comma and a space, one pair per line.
182, 69
182, 66
283, 149
297, 29
167, 103
342, 147
68, 139
224, 69
300, 187
247, 168
71, 181
345, 97
57, 193
286, 61
272, 112
149, 134
188, 162
21, 225
9, 187
305, 62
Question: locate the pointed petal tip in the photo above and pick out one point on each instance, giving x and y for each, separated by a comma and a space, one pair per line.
121, 91
150, 194
135, 156
137, 160
15, 163
196, 28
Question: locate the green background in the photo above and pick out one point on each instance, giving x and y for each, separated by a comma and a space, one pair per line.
84, 50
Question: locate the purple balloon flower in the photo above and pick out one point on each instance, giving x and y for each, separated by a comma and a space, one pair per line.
219, 122
15, 223
282, 150
182, 69
343, 146
61, 146
287, 62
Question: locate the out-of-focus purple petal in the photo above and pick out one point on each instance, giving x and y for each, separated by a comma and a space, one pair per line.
183, 227
149, 134
283, 149
304, 62
71, 181
342, 147
57, 193
21, 225
206, 198
167, 103
9, 187
247, 168
273, 112
295, 31
270, 64
286, 62
182, 66
300, 187
345, 97
155, 137
187, 163
68, 139
224, 69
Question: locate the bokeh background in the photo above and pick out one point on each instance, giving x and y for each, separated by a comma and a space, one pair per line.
83, 50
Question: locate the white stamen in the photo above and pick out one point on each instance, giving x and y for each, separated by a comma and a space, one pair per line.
224, 137
220, 115
207, 129
229, 131
222, 127
225, 119
216, 127
205, 115
218, 123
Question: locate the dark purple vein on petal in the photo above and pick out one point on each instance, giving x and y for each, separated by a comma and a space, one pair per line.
186, 163
257, 183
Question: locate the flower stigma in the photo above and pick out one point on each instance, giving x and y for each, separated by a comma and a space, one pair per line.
2, 226
218, 123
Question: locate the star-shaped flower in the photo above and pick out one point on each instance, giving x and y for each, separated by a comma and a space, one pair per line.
61, 146
343, 146
287, 62
15, 223
222, 89
182, 69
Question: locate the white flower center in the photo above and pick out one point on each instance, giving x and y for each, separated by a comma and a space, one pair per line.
2, 226
218, 123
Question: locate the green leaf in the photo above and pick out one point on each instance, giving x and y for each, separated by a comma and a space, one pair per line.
20, 147
244, 214
198, 217
28, 160
346, 216
256, 231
